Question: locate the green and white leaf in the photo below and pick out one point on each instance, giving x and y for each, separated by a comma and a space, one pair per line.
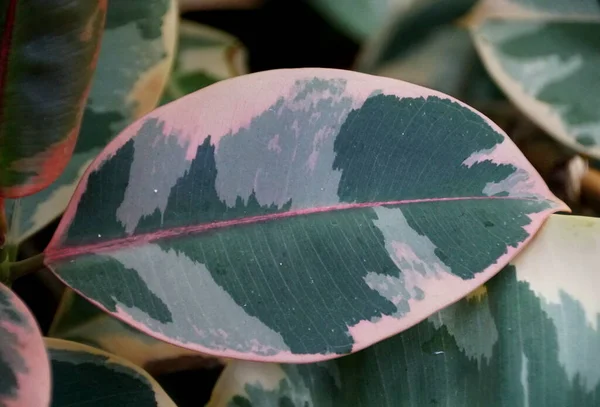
135, 59
529, 337
86, 376
544, 55
204, 56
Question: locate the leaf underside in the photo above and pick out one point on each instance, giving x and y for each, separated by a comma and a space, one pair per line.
334, 210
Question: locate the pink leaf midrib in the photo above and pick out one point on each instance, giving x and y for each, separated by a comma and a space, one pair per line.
54, 254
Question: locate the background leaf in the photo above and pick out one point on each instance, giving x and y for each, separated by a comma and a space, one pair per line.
197, 224
424, 44
204, 56
360, 18
528, 337
543, 54
83, 375
24, 367
48, 57
134, 63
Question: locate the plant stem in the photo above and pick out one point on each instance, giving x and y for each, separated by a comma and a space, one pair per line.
24, 267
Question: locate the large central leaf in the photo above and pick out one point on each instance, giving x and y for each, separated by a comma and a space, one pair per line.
297, 215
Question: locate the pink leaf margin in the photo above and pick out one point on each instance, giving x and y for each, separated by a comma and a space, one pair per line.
34, 383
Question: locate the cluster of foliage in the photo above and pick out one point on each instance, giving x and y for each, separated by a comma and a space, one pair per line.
358, 237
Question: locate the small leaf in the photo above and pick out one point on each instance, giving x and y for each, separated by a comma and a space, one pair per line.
133, 67
529, 336
24, 367
297, 215
204, 56
83, 375
49, 52
544, 56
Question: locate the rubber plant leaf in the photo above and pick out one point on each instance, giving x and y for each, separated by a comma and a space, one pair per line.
48, 57
80, 321
424, 44
24, 367
529, 336
297, 215
204, 56
83, 375
543, 54
134, 63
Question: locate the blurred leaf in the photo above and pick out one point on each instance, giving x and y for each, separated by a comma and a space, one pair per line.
422, 44
85, 376
529, 337
359, 18
297, 215
135, 60
47, 62
204, 56
24, 367
544, 55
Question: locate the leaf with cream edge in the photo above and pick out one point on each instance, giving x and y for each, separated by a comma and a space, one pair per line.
80, 321
24, 367
48, 57
529, 337
134, 63
83, 375
543, 54
204, 56
297, 215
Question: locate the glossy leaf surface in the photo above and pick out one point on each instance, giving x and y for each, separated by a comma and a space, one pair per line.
134, 63
86, 376
24, 367
297, 215
544, 56
47, 60
204, 56
529, 337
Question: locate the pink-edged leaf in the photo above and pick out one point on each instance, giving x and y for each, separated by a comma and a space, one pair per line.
47, 60
24, 365
297, 215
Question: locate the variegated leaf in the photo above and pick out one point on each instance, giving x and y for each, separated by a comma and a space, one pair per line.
297, 215
529, 337
204, 56
134, 64
86, 376
544, 54
24, 367
47, 61
80, 321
